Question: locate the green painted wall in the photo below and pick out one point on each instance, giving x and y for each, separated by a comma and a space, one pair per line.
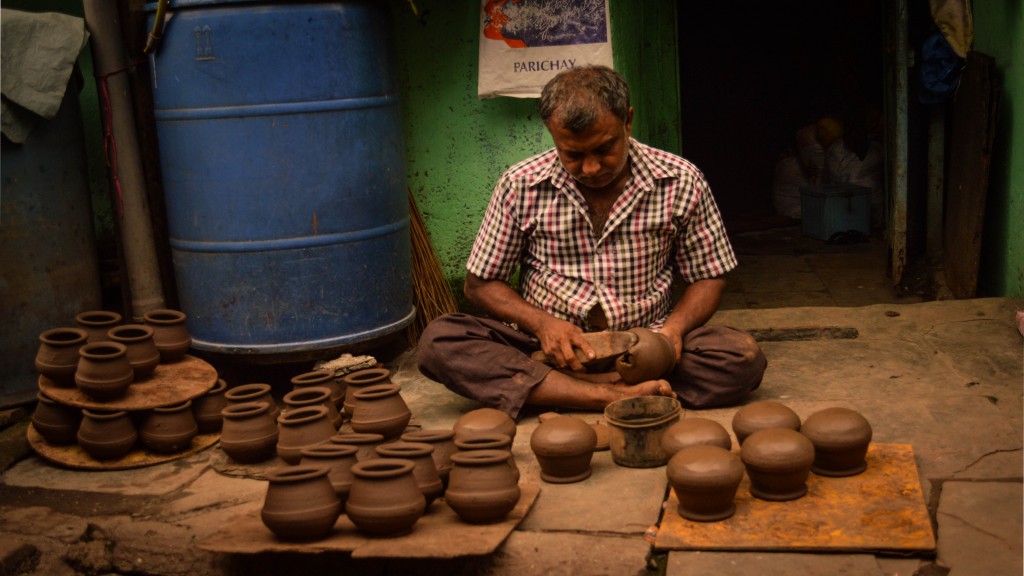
999, 32
457, 145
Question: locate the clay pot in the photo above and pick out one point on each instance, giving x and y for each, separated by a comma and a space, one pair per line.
55, 422
778, 461
488, 441
249, 434
841, 437
57, 357
103, 370
142, 353
253, 393
385, 499
365, 443
106, 434
97, 323
380, 409
760, 415
443, 442
636, 426
705, 479
300, 504
355, 381
169, 429
338, 459
206, 409
170, 333
481, 487
314, 396
563, 446
323, 378
650, 358
425, 471
485, 420
302, 427
694, 432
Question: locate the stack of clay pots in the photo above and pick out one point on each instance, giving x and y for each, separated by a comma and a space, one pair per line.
777, 452
103, 358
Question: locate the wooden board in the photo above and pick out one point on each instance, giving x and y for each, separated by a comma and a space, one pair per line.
73, 456
881, 509
169, 384
438, 534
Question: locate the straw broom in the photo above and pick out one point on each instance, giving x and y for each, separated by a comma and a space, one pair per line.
431, 293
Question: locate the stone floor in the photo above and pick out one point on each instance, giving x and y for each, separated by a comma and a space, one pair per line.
943, 376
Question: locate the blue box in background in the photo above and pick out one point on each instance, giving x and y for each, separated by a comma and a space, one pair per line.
832, 208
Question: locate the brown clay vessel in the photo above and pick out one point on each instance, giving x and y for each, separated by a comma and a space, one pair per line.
485, 420
57, 357
705, 479
97, 323
443, 441
169, 429
55, 422
488, 441
694, 432
355, 381
300, 503
314, 396
385, 499
103, 371
778, 461
142, 353
365, 443
207, 408
481, 487
380, 409
339, 460
323, 378
763, 414
302, 427
258, 392
106, 434
170, 333
425, 471
248, 434
841, 437
649, 358
564, 447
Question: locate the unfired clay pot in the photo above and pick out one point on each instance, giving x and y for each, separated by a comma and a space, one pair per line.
55, 422
106, 434
170, 333
302, 427
97, 323
169, 429
103, 370
323, 378
249, 434
258, 392
763, 414
385, 499
705, 479
355, 381
142, 353
425, 471
778, 461
694, 432
57, 357
563, 446
365, 443
485, 420
339, 460
206, 408
841, 437
481, 487
443, 441
300, 503
380, 409
488, 441
314, 396
650, 358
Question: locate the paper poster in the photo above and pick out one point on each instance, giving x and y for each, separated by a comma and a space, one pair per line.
523, 43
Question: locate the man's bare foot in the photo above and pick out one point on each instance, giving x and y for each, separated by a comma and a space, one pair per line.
650, 388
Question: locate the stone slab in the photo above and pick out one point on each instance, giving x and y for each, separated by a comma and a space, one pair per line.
34, 472
569, 554
980, 528
770, 564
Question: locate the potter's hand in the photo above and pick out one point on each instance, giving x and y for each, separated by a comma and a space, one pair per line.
677, 342
563, 344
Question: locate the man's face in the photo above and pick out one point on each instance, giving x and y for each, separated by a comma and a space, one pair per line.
595, 157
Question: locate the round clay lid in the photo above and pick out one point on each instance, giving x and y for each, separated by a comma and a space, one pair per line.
763, 414
485, 420
837, 428
694, 432
563, 436
777, 449
704, 466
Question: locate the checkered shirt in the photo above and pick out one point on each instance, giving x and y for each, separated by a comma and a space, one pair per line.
665, 217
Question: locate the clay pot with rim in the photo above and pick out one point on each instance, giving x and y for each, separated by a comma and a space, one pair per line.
763, 414
424, 471
443, 441
57, 356
55, 422
380, 409
249, 434
355, 381
142, 353
170, 333
97, 323
314, 396
485, 420
323, 378
300, 504
258, 392
564, 446
169, 429
778, 461
366, 444
841, 437
103, 371
302, 427
488, 441
106, 434
649, 358
385, 499
694, 432
339, 459
705, 479
481, 487
206, 409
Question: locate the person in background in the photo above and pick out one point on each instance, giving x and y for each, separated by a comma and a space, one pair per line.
596, 228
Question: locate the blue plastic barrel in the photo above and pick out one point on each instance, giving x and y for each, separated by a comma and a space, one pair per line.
283, 164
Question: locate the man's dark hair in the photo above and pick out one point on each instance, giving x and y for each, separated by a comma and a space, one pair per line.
577, 96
